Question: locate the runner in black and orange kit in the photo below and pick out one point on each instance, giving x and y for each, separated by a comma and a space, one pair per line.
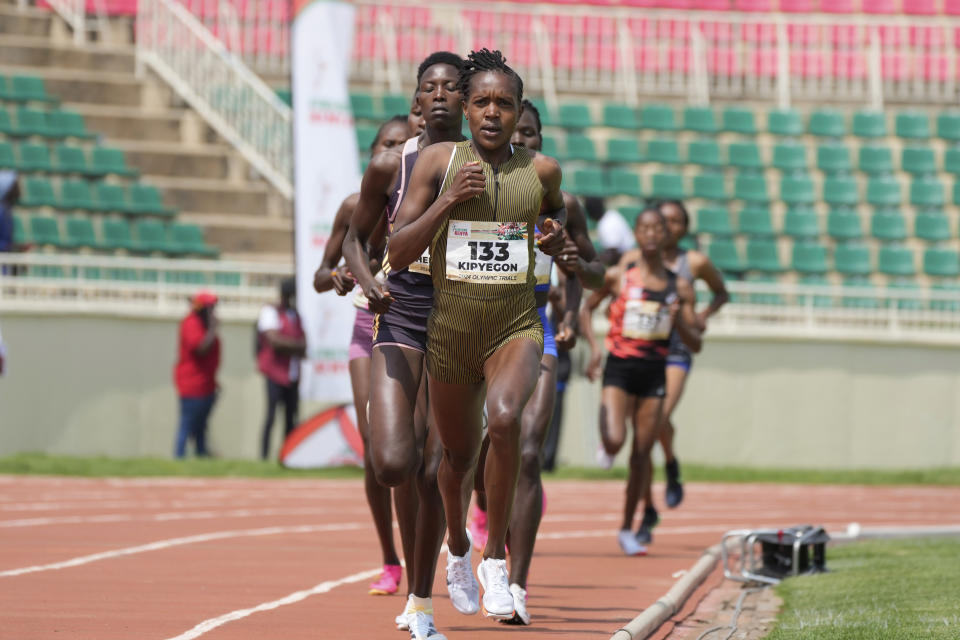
649, 302
391, 135
405, 454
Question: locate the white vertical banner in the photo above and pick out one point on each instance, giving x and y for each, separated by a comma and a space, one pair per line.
326, 171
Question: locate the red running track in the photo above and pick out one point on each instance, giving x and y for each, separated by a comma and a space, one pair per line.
158, 559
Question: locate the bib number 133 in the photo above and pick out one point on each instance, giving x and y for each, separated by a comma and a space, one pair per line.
485, 250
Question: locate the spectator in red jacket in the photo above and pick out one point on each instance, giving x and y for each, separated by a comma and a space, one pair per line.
195, 373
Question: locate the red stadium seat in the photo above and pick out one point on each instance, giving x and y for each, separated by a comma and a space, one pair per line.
839, 6
799, 6
523, 52
717, 31
895, 66
934, 67
759, 33
753, 5
928, 37
647, 58
849, 65
711, 5
641, 29
880, 6
846, 35
665, 4
763, 63
602, 56
920, 7
804, 34
678, 59
675, 30
951, 7
808, 64
723, 62
890, 36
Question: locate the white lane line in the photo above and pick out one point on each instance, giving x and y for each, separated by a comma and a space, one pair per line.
177, 542
173, 516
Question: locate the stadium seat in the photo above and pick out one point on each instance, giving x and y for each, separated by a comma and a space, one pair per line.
725, 255
949, 285
763, 255
546, 115
895, 261
630, 213
875, 160
888, 226
800, 222
797, 190
859, 281
827, 123
840, 191
809, 257
108, 160
549, 147
663, 150
870, 124
625, 183
116, 234
32, 122
589, 182
852, 260
151, 236
624, 150
76, 194
188, 238
784, 122
659, 117
951, 161
363, 107
7, 159
790, 157
574, 115
80, 233
918, 160
6, 124
844, 224
756, 222
705, 153
739, 120
883, 192
927, 192
35, 158
715, 221
395, 105
44, 230
752, 188
38, 192
764, 298
931, 226
912, 124
145, 199
833, 158
948, 125
710, 186
285, 95
112, 198
620, 116
941, 262
71, 159
744, 155
19, 231
700, 119
668, 186
25, 88
580, 147
365, 137
900, 285
815, 280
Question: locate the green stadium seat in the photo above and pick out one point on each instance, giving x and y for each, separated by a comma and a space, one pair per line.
931, 226
725, 255
809, 257
45, 231
630, 213
395, 105
4, 88
870, 124
35, 157
588, 182
860, 302
624, 150
888, 225
32, 122
815, 280
365, 137
756, 222
151, 236
80, 233
38, 192
705, 153
116, 234
927, 192
895, 261
688, 243
580, 147
68, 124
801, 222
146, 199
918, 160
76, 194
763, 255
883, 192
546, 114
549, 147
764, 298
659, 117
29, 89
739, 120
700, 119
715, 221
948, 125
575, 115
752, 188
912, 124
19, 231
784, 122
285, 95
363, 107
951, 161
620, 116
227, 278
665, 151
624, 182
945, 286
790, 157
797, 190
914, 304
844, 224
840, 192
7, 160
710, 186
875, 160
827, 123
668, 186
941, 262
112, 198
188, 238
833, 158
852, 260
109, 160
744, 155
6, 124
71, 159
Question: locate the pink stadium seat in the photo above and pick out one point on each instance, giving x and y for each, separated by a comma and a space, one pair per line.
523, 52
480, 20
641, 29
647, 58
920, 7
846, 35
711, 5
602, 56
439, 41
717, 31
408, 47
890, 36
928, 37
935, 67
668, 4
675, 29
880, 6
808, 64
951, 7
605, 28
759, 33
894, 66
805, 34
799, 6
839, 6
678, 59
763, 62
753, 5
849, 65
640, 3
363, 44
723, 62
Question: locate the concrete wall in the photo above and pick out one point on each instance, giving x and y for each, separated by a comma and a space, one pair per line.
103, 385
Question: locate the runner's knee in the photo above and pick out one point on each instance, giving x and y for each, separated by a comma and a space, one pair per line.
392, 466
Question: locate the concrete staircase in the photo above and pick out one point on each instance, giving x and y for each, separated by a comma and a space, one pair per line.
197, 171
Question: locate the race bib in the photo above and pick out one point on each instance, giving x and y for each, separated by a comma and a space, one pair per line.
422, 264
541, 267
646, 320
488, 252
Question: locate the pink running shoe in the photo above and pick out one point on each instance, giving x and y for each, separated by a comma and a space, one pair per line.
478, 528
389, 581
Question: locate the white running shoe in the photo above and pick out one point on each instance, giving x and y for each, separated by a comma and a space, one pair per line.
497, 598
461, 585
604, 459
420, 622
520, 613
401, 620
628, 542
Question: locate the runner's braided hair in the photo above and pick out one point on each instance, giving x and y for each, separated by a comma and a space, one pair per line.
529, 106
486, 60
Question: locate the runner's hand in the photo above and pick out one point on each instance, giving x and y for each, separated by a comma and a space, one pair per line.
378, 297
552, 239
593, 366
468, 182
342, 281
566, 336
569, 258
674, 309
702, 321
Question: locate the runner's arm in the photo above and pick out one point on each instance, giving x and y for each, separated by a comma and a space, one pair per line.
703, 268
551, 241
581, 258
687, 323
586, 320
328, 276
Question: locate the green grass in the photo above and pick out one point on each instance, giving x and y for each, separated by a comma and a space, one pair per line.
894, 590
37, 463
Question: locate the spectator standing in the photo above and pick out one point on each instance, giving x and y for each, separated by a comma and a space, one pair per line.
281, 345
613, 232
195, 373
9, 195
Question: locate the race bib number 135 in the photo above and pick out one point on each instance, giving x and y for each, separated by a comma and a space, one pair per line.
488, 252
